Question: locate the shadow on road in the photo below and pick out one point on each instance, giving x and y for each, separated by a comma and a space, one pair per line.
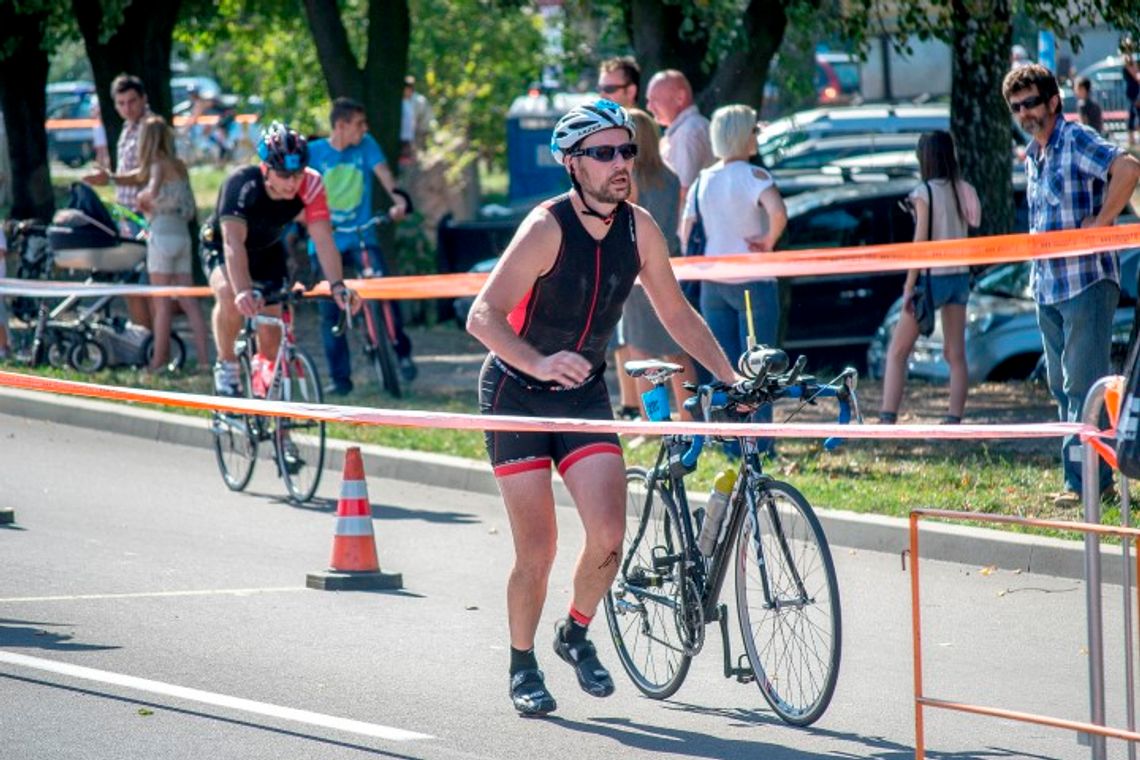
27, 634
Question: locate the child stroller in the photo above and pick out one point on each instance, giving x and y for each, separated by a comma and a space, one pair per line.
85, 236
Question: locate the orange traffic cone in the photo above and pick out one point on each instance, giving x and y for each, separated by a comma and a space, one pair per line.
354, 565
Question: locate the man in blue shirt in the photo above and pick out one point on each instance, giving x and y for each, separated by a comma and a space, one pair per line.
347, 161
1076, 179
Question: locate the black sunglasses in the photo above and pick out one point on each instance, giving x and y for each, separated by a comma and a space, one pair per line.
1032, 101
610, 89
607, 153
287, 174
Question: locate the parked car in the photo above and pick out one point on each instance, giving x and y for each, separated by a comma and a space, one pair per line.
819, 151
834, 318
837, 81
60, 92
1003, 341
782, 134
69, 128
1107, 77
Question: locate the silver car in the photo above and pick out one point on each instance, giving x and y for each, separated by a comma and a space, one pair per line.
1003, 341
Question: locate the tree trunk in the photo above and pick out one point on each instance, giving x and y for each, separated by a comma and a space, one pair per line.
740, 76
23, 80
378, 85
979, 117
654, 31
140, 46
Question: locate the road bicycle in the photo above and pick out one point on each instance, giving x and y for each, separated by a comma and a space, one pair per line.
380, 334
298, 444
787, 596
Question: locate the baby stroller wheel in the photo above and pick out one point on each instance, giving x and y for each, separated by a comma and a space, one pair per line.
88, 356
59, 351
177, 358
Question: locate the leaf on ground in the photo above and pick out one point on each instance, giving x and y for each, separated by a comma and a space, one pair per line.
145, 712
988, 570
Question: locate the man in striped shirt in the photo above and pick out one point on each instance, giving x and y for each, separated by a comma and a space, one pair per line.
1076, 179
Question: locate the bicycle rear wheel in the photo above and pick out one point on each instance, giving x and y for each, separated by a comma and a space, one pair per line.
787, 599
643, 607
235, 439
300, 443
379, 348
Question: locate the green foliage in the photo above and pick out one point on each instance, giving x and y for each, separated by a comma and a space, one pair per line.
263, 48
471, 85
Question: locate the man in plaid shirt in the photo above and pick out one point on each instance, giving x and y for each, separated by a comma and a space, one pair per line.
1076, 179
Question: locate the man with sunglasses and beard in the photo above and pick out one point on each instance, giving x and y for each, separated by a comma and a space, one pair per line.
1076, 178
243, 249
546, 313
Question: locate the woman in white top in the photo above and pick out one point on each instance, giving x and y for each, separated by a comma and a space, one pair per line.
168, 203
952, 210
741, 211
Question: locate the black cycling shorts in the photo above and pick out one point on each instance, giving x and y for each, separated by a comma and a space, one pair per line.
265, 264
503, 391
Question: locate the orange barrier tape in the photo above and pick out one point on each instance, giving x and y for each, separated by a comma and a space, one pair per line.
454, 421
737, 267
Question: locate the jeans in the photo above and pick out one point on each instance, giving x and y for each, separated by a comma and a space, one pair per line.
1078, 338
722, 306
336, 348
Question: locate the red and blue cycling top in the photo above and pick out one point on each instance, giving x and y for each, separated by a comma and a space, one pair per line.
243, 198
576, 305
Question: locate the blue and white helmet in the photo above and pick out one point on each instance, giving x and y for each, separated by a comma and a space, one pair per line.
584, 120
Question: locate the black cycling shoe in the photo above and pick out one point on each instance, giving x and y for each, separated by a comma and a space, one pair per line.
592, 676
528, 692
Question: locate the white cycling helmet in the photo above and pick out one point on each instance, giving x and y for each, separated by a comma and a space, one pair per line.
584, 120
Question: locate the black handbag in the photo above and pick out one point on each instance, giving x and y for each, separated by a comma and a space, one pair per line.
695, 246
923, 297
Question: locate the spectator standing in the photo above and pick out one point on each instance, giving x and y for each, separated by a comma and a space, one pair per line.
685, 147
129, 97
1075, 179
742, 211
619, 81
945, 206
347, 161
1088, 109
656, 189
1131, 76
415, 120
99, 134
168, 203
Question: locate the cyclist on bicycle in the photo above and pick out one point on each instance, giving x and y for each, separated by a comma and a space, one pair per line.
346, 161
546, 314
243, 251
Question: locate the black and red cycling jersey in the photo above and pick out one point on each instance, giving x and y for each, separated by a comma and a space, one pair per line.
577, 304
243, 198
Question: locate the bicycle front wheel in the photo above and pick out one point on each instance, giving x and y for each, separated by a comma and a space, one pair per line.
644, 605
381, 353
300, 443
235, 440
787, 599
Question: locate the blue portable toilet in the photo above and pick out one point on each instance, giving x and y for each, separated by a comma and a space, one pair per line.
532, 170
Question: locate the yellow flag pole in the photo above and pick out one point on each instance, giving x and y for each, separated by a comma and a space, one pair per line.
751, 327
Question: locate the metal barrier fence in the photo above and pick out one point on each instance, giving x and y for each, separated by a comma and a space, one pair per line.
1105, 396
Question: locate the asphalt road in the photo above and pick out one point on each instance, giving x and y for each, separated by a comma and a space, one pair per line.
147, 612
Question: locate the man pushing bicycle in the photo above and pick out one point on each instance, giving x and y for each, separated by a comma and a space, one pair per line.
546, 313
243, 249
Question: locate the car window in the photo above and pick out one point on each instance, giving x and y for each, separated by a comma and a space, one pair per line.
837, 226
1006, 280
848, 75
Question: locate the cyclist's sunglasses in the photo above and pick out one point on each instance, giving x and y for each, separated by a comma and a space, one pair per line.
1032, 101
610, 89
607, 153
285, 174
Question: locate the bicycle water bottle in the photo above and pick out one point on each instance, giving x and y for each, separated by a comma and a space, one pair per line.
714, 513
262, 374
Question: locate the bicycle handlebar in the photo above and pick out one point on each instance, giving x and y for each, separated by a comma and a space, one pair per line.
768, 379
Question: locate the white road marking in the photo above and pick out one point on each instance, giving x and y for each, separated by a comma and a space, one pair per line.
210, 698
147, 594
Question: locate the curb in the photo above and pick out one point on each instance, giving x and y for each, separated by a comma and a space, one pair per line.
939, 541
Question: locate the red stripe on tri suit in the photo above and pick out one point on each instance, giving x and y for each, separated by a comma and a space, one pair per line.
594, 298
577, 455
525, 465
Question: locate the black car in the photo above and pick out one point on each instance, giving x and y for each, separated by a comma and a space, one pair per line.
832, 318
